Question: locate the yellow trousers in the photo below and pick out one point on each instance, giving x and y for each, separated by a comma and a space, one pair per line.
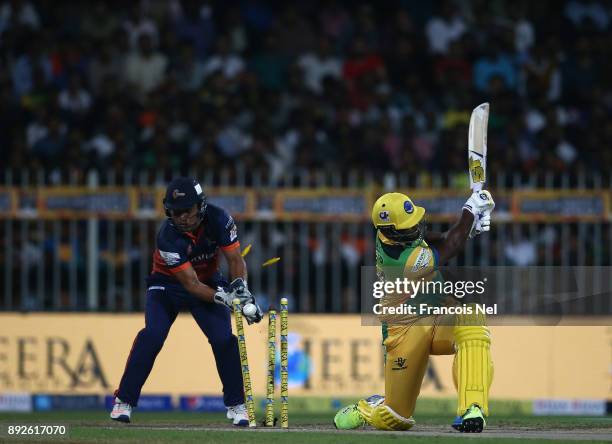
408, 348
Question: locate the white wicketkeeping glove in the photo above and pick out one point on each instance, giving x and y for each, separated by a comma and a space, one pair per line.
257, 316
237, 289
224, 297
480, 204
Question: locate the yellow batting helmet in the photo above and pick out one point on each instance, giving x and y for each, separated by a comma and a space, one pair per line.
396, 210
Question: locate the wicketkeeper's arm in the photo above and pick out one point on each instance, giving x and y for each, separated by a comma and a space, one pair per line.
189, 280
237, 265
238, 287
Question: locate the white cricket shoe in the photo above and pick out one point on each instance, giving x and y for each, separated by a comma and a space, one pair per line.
122, 411
239, 415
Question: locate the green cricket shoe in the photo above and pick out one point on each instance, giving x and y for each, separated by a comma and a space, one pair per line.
348, 418
472, 421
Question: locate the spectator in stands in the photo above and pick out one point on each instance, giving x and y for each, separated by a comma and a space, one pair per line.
145, 69
295, 33
16, 13
236, 31
445, 28
224, 61
362, 71
99, 22
494, 62
320, 64
542, 74
137, 24
24, 67
594, 12
51, 145
194, 24
109, 63
189, 72
269, 65
412, 67
75, 100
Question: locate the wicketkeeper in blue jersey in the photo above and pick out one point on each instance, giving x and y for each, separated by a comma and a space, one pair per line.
186, 276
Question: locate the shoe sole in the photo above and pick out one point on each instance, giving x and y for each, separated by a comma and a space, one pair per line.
472, 425
122, 418
242, 423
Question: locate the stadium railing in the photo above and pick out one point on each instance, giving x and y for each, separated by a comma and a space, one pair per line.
84, 242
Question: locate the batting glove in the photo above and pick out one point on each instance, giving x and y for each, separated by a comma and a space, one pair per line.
479, 202
482, 225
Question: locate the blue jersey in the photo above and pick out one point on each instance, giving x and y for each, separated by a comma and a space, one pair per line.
176, 250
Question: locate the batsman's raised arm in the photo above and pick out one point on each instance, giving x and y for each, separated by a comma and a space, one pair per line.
450, 243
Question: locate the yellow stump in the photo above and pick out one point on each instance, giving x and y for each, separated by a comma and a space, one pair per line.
244, 364
284, 365
271, 364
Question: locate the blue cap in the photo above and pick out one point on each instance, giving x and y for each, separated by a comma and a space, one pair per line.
183, 193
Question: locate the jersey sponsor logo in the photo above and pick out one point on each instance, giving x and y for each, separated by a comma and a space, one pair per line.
408, 207
170, 258
423, 260
202, 257
230, 222
198, 188
384, 216
233, 234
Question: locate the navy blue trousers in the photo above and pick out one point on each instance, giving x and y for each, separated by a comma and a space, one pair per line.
162, 306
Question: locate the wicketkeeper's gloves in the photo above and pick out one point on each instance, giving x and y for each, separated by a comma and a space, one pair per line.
255, 318
224, 297
239, 288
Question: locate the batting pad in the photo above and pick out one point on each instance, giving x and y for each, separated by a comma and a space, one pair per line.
473, 367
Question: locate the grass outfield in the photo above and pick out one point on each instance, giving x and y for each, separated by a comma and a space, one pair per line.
176, 427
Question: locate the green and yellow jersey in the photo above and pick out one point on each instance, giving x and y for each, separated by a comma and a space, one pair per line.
415, 262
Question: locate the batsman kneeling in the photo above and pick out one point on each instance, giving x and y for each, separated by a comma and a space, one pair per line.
405, 248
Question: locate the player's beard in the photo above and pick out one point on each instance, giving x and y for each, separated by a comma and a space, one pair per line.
405, 237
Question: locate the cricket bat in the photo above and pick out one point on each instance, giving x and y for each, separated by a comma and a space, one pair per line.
477, 146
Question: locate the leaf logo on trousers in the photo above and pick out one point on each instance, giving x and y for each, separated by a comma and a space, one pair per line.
399, 364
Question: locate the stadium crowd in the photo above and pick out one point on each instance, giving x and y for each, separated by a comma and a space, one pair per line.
337, 85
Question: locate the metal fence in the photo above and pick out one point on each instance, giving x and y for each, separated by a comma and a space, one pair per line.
98, 264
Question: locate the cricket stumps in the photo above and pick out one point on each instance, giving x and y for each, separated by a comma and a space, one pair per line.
271, 364
244, 364
284, 355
